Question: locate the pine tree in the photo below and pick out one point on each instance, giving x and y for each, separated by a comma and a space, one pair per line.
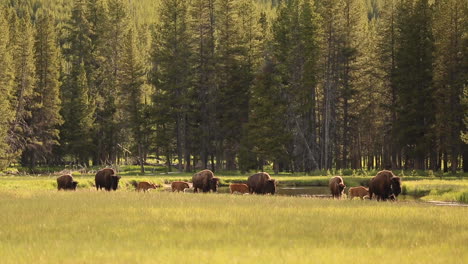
450, 33
23, 90
78, 106
79, 114
6, 85
295, 48
171, 76
45, 117
107, 124
387, 43
414, 61
131, 92
202, 32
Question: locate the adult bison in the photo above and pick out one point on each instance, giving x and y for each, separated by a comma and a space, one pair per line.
337, 186
206, 181
385, 185
107, 179
261, 183
66, 182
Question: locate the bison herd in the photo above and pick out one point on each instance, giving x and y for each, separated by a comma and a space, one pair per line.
384, 186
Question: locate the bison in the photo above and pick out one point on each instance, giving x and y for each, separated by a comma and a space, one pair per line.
239, 187
360, 192
385, 185
179, 186
107, 179
337, 186
145, 186
261, 183
206, 181
66, 182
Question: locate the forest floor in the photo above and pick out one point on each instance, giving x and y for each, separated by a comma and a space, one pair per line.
46, 226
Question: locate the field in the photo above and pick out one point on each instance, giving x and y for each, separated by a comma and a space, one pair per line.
160, 227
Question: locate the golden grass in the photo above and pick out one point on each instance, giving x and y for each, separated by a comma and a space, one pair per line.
161, 227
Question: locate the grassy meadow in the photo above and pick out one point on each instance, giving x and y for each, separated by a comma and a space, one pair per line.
85, 226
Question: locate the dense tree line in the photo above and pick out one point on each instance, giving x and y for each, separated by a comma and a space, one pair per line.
235, 85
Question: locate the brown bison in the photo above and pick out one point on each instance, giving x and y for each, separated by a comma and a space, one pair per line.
179, 186
66, 182
206, 181
145, 186
385, 185
239, 187
261, 183
337, 186
107, 179
360, 192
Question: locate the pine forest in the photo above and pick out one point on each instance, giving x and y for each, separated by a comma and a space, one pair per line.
235, 85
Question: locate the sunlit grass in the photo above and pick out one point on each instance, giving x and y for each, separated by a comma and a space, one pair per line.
439, 190
161, 227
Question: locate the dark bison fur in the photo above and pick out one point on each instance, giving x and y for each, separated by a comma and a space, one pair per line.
107, 179
385, 185
66, 182
206, 181
337, 186
261, 183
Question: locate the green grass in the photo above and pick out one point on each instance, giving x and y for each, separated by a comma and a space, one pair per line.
439, 190
161, 227
451, 189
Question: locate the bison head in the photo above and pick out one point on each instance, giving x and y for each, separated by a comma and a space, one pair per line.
73, 185
115, 182
341, 187
270, 186
214, 182
396, 185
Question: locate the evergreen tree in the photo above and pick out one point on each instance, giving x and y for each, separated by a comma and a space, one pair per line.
450, 31
171, 76
6, 86
22, 45
79, 114
45, 117
78, 106
131, 93
107, 127
202, 32
295, 48
233, 81
414, 61
386, 44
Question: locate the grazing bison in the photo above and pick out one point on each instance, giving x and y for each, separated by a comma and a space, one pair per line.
358, 192
66, 182
179, 186
385, 185
206, 181
145, 186
239, 187
107, 179
337, 186
261, 183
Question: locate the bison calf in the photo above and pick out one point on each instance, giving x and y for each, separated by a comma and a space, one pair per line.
145, 186
239, 187
358, 192
179, 186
